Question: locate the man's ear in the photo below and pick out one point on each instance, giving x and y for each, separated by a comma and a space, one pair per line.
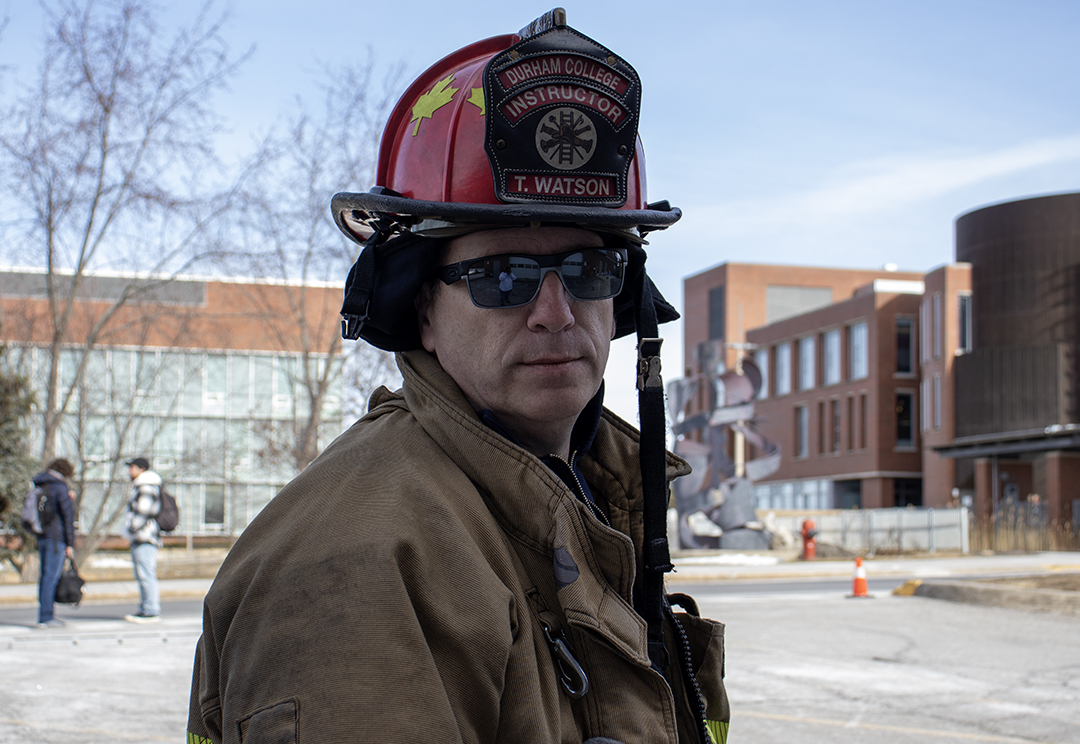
423, 303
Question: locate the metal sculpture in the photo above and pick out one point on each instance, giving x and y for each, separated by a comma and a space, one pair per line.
715, 503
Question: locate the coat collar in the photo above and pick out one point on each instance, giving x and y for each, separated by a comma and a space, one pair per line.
536, 509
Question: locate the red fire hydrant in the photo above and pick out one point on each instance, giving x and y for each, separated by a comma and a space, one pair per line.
809, 549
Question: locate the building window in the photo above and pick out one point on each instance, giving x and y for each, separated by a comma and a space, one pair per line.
834, 418
905, 414
924, 330
761, 359
831, 351
802, 430
863, 419
937, 401
238, 400
937, 326
907, 492
858, 359
964, 315
847, 494
905, 350
214, 505
924, 395
807, 364
214, 390
716, 314
851, 422
783, 369
821, 427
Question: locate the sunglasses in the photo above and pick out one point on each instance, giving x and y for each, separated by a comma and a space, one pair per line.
511, 280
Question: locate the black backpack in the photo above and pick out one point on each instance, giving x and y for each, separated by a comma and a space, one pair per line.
168, 516
38, 511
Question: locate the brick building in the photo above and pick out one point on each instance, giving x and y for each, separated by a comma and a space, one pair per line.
212, 379
1017, 384
722, 303
888, 388
857, 367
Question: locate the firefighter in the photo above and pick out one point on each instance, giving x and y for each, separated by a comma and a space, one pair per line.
481, 557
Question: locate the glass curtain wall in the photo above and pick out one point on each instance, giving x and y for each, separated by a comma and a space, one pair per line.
219, 427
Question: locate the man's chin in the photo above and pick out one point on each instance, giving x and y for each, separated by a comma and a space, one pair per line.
554, 404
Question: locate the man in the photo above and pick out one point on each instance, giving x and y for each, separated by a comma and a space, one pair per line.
57, 540
506, 285
141, 529
480, 558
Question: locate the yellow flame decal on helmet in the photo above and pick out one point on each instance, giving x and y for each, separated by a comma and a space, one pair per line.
476, 98
433, 100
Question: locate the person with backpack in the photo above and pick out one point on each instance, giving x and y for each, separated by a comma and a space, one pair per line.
142, 531
56, 540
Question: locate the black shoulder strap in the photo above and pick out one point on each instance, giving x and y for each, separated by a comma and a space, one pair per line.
653, 461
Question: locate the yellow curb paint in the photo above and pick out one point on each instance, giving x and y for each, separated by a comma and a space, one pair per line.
907, 589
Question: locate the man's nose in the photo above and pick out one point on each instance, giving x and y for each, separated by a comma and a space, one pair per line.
550, 311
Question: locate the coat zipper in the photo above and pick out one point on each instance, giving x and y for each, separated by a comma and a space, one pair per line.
580, 492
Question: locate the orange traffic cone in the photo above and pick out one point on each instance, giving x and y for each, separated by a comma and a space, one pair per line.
858, 585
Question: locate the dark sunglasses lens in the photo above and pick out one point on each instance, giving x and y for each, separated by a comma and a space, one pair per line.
510, 281
595, 274
503, 281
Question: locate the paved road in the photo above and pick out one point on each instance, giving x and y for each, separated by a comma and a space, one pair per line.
783, 587
816, 668
100, 680
87, 614
804, 664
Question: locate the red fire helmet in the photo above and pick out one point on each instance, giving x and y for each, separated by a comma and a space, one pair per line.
533, 128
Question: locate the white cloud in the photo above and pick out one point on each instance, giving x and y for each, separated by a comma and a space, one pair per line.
873, 186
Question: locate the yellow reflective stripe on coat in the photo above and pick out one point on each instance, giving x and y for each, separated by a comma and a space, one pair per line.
717, 730
196, 739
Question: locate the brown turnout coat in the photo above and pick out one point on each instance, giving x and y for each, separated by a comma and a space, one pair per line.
394, 592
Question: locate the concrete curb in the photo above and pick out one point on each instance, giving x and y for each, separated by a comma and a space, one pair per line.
995, 595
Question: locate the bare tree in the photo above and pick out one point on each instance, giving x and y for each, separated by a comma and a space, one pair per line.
16, 465
108, 161
287, 234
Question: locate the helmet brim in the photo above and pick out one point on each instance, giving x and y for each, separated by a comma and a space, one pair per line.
355, 212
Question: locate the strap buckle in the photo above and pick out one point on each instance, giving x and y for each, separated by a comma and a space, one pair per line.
649, 363
351, 323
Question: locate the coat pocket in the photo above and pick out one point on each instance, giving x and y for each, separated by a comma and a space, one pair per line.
706, 640
275, 724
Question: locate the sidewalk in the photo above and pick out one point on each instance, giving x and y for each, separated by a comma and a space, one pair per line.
727, 566
1005, 580
110, 591
697, 568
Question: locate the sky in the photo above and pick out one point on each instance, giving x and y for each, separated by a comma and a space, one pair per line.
829, 133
